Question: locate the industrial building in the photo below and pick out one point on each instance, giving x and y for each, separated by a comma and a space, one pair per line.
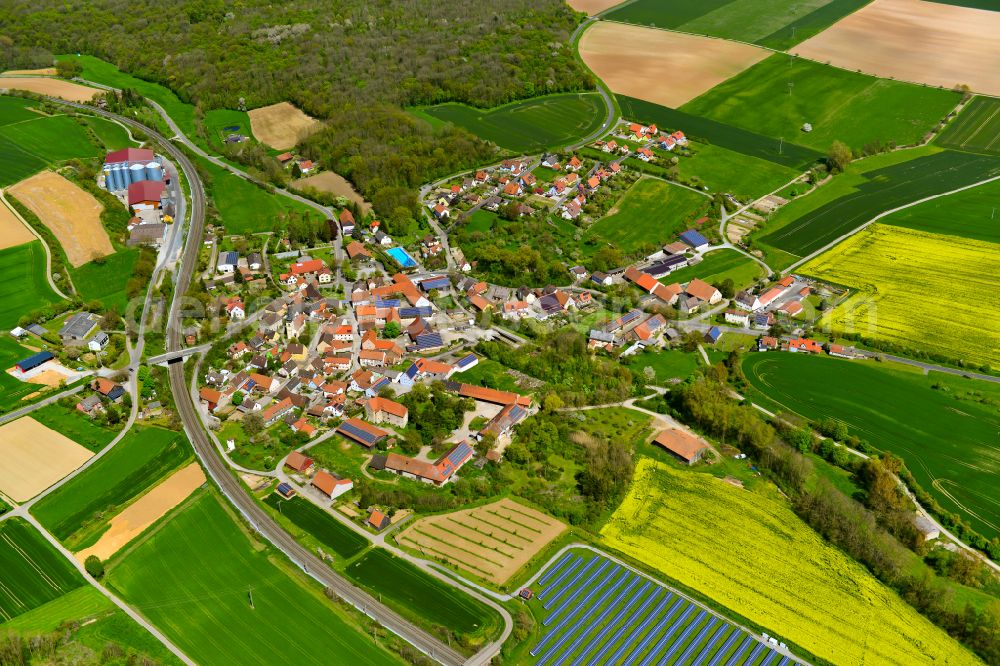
130, 165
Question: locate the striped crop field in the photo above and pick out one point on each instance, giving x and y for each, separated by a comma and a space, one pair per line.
976, 129
598, 611
32, 573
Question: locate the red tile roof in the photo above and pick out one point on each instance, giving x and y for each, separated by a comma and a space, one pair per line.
298, 462
145, 191
680, 443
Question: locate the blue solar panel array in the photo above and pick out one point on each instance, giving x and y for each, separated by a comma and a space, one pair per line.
387, 302
459, 454
436, 283
429, 341
413, 313
601, 612
359, 434
467, 360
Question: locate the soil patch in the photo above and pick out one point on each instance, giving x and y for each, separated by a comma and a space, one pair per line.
44, 71
592, 7
72, 214
12, 230
335, 184
662, 67
281, 126
73, 92
145, 511
34, 457
911, 40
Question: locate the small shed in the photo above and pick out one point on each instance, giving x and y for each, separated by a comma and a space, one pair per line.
682, 445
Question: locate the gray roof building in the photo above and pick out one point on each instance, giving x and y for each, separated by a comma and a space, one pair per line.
78, 327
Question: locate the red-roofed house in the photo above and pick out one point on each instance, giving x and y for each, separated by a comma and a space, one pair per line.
382, 410
146, 194
330, 485
298, 462
805, 345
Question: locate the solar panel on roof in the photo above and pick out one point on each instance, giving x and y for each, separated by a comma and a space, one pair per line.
630, 316
358, 433
429, 340
284, 487
387, 303
459, 454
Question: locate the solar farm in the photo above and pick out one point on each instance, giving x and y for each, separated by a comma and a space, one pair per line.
597, 611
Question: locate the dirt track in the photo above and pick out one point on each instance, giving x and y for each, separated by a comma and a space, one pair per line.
34, 457
73, 215
149, 508
662, 67
281, 125
73, 92
913, 40
12, 231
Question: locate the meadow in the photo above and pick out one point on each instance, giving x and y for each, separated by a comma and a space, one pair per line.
31, 141
80, 507
553, 121
718, 266
918, 289
339, 538
596, 608
34, 573
766, 22
868, 188
777, 96
23, 286
12, 391
721, 170
417, 594
194, 577
78, 427
105, 280
971, 213
651, 213
785, 152
976, 129
666, 365
949, 448
111, 134
779, 574
217, 120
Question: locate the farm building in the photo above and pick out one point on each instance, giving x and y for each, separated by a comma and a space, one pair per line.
145, 195
488, 395
330, 485
383, 410
694, 239
78, 327
362, 433
378, 520
227, 262
286, 490
682, 445
33, 361
147, 234
298, 462
90, 405
438, 473
504, 421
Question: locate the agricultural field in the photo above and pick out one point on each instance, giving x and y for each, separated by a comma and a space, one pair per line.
868, 188
971, 213
35, 457
777, 96
947, 449
917, 289
335, 184
719, 170
106, 280
717, 267
13, 392
651, 213
31, 141
50, 87
194, 576
976, 129
78, 427
746, 142
410, 590
553, 121
766, 22
779, 574
112, 135
80, 508
632, 60
594, 607
493, 542
281, 126
339, 538
34, 573
925, 42
23, 286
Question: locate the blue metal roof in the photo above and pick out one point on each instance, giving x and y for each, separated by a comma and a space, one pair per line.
35, 360
714, 333
693, 238
411, 371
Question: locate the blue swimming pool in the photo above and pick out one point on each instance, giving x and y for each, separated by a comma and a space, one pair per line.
402, 257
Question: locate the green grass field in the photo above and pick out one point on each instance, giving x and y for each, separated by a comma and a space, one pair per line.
868, 188
11, 390
972, 213
666, 365
111, 134
482, 221
17, 110
193, 578
23, 286
718, 266
650, 214
32, 143
946, 436
96, 623
339, 538
840, 105
34, 573
105, 279
216, 122
766, 22
749, 142
404, 586
78, 427
976, 129
81, 507
491, 374
734, 173
553, 121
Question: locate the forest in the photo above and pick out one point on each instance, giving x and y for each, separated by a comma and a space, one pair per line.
354, 63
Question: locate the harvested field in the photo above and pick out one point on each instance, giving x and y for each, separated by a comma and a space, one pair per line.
34, 457
633, 61
281, 125
493, 541
12, 230
912, 40
592, 7
335, 184
149, 508
44, 71
73, 92
72, 214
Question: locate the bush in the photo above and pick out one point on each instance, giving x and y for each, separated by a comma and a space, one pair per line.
94, 566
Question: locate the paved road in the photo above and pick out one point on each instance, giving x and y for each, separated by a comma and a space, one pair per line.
24, 411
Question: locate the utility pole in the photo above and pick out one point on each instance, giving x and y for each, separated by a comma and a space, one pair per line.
781, 143
250, 592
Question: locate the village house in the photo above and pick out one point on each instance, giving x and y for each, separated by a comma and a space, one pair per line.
383, 410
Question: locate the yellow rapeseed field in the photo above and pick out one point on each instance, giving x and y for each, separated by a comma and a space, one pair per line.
752, 554
922, 290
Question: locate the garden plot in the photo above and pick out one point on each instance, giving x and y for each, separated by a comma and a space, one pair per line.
493, 541
34, 457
